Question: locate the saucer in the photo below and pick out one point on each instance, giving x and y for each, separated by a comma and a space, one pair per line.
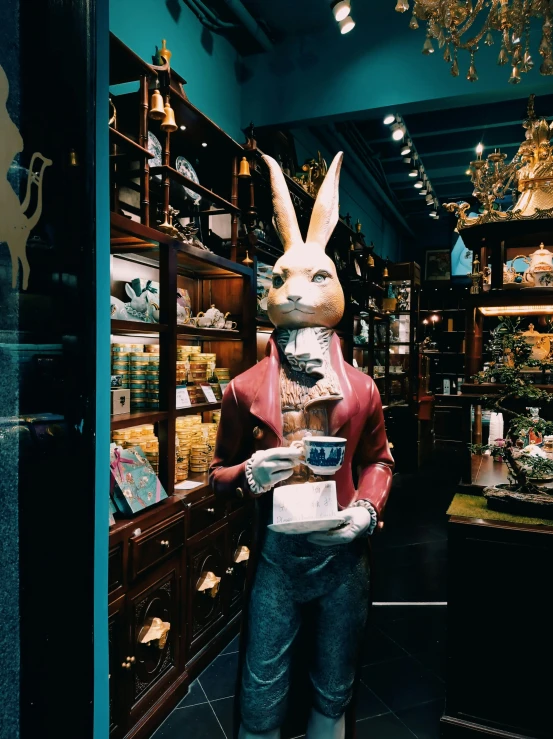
306, 527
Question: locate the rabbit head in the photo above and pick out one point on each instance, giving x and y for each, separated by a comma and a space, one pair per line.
306, 290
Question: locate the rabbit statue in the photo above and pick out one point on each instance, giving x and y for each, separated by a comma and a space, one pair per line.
303, 387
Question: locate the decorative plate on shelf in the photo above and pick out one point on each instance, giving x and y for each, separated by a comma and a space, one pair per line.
183, 166
154, 147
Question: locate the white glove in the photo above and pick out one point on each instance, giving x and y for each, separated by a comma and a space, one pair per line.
268, 466
358, 522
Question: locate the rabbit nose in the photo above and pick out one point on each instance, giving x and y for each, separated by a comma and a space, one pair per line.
294, 298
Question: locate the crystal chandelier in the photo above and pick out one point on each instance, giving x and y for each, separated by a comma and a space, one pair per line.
463, 24
530, 172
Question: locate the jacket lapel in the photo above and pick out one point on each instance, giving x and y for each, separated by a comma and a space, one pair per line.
342, 410
266, 404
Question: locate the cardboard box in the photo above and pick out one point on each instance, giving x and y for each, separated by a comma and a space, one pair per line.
120, 401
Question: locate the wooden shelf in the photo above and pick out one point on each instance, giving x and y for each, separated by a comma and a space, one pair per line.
128, 236
201, 477
136, 328
206, 194
198, 408
208, 334
136, 418
131, 146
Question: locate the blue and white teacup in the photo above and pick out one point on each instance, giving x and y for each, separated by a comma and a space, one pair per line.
324, 455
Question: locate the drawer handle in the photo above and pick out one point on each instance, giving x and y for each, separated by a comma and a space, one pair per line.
154, 629
165, 543
229, 570
208, 584
126, 665
242, 554
210, 510
132, 660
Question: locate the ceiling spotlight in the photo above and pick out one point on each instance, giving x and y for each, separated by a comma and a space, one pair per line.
346, 25
433, 214
341, 9
413, 172
407, 160
182, 128
423, 190
429, 199
406, 149
420, 182
390, 118
204, 144
398, 132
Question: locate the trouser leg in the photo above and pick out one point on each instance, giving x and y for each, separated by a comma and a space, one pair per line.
340, 620
273, 623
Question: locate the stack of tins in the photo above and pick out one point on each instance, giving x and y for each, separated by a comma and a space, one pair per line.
120, 355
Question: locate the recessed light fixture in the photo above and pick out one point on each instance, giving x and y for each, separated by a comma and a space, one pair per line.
204, 144
398, 132
182, 128
341, 9
389, 119
406, 149
346, 25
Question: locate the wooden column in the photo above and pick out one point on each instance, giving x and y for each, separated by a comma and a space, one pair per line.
473, 344
143, 141
234, 201
477, 430
167, 364
166, 178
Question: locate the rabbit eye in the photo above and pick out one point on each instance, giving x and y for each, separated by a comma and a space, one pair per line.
320, 277
277, 281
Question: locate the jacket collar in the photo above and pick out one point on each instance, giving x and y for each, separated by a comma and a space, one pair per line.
266, 403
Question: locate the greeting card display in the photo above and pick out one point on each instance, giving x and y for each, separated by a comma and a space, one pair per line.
134, 484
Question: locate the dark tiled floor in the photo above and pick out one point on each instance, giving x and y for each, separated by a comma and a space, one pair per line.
401, 690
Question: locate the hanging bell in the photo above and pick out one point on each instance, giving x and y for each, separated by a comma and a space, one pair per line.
168, 124
164, 52
514, 79
247, 261
370, 261
385, 271
244, 168
157, 111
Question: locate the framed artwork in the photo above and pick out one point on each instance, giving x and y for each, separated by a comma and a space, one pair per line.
438, 264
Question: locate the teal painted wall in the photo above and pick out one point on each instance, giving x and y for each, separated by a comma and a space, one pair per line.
376, 66
378, 225
207, 61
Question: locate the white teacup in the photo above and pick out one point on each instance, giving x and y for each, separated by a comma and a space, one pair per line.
323, 454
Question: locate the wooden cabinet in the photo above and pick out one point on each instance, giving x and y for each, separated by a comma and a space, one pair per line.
156, 564
498, 639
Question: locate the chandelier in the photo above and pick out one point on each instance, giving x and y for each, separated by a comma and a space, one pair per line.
530, 173
464, 24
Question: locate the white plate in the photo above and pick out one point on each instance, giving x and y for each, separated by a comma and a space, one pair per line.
183, 166
306, 527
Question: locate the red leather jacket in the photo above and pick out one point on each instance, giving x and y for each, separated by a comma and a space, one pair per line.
251, 419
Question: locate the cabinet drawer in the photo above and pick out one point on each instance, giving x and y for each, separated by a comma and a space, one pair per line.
204, 514
115, 568
154, 545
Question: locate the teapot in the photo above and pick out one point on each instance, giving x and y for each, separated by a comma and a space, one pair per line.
539, 262
540, 343
211, 318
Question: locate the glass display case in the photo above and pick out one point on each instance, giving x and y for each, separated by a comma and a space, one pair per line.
402, 304
371, 349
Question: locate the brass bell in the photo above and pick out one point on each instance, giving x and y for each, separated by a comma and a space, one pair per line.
244, 168
168, 124
370, 261
164, 52
157, 111
385, 272
248, 262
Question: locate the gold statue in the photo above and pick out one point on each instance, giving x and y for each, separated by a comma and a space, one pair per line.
315, 172
15, 225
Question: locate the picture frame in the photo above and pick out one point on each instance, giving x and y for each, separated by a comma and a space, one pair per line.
438, 265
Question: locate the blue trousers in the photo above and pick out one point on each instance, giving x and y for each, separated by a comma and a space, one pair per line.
292, 572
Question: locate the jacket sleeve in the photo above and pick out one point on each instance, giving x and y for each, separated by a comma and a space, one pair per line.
227, 472
373, 460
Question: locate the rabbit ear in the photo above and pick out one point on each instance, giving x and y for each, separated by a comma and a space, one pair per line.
130, 292
325, 211
284, 221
